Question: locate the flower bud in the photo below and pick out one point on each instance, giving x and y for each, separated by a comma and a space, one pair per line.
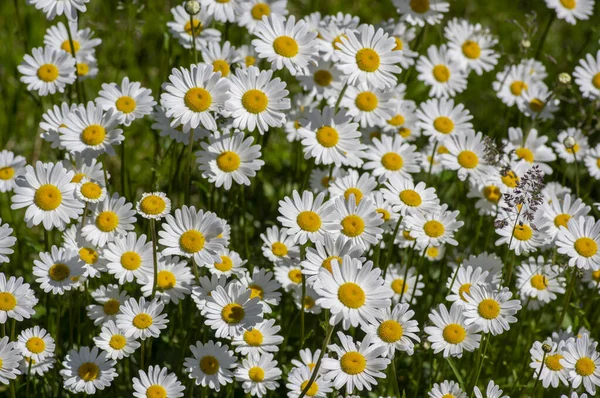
564, 78
525, 43
192, 7
569, 142
546, 347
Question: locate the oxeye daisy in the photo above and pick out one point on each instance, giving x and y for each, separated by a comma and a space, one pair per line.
323, 80
298, 379
289, 274
221, 58
538, 102
405, 283
325, 252
489, 192
529, 148
90, 191
450, 333
231, 311
262, 285
491, 311
173, 280
359, 222
52, 120
58, 271
592, 162
57, 37
111, 218
512, 83
251, 12
163, 125
278, 244
91, 132
395, 330
212, 364
193, 95
441, 118
193, 234
557, 212
286, 43
429, 158
109, 300
441, 73
461, 283
87, 370
48, 194
47, 70
368, 56
572, 10
307, 217
230, 264
181, 27
141, 319
205, 287
403, 35
553, 372
385, 211
357, 363
368, 106
521, 236
587, 76
89, 168
421, 12
466, 154
11, 167
391, 156
154, 205
6, 241
582, 361
259, 339
575, 152
308, 358
471, 46
114, 342
129, 257
403, 121
157, 382
538, 279
229, 157
330, 35
257, 100
87, 66
92, 256
36, 344
406, 197
434, 229
36, 368
222, 11
447, 389
258, 374
580, 241
53, 8
248, 56
129, 101
351, 292
10, 356
360, 185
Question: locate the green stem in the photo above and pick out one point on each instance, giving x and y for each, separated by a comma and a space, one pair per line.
543, 40
193, 40
339, 100
537, 380
567, 297
154, 256
315, 371
188, 182
431, 161
74, 54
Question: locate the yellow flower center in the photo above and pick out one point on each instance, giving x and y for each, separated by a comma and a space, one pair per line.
327, 262
83, 69
131, 261
392, 161
285, 46
398, 286
585, 366
492, 193
220, 65
367, 60
117, 342
256, 291
279, 249
228, 161
59, 272
197, 99
209, 365
312, 390
441, 73
255, 101
471, 49
488, 309
523, 232
88, 371
166, 280
260, 10
353, 363
586, 247
48, 73
126, 104
406, 235
352, 225
337, 41
47, 197
353, 191
197, 27
562, 220
573, 149
107, 221
253, 337
540, 282
327, 136
397, 120
385, 215
434, 229
410, 198
525, 154
192, 241
249, 60
399, 44
111, 307
93, 135
536, 105
153, 205
464, 288
256, 374
6, 173
142, 321
351, 295
404, 132
309, 221
568, 4
553, 362
66, 45
156, 391
596, 80
366, 101
7, 301
390, 331
35, 345
443, 124
88, 255
91, 190
225, 265
323, 77
510, 179
517, 87
233, 313
77, 177
454, 333
309, 302
468, 159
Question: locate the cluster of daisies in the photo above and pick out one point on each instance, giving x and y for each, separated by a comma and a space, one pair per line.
370, 154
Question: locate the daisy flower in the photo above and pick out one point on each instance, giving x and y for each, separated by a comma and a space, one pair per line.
460, 284
173, 280
262, 285
323, 80
278, 244
47, 70
389, 156
572, 10
36, 368
406, 198
163, 125
251, 12
441, 72
434, 229
592, 162
298, 379
520, 235
257, 100
490, 311
140, 319
352, 293
286, 43
212, 365
230, 311
90, 191
48, 194
357, 363
421, 12
248, 56
540, 280
360, 185
10, 356
87, 370
85, 168
358, 222
580, 241
323, 254
109, 299
537, 102
466, 154
404, 121
529, 148
36, 344
587, 76
57, 37
157, 382
230, 264
58, 271
289, 274
571, 153
129, 101
553, 372
221, 11
450, 333
404, 283
129, 257
11, 167
92, 256
181, 28
221, 58
582, 361
192, 96
471, 46
111, 218
259, 339
52, 120
6, 241
395, 330
228, 157
307, 217
447, 389
512, 83
114, 342
403, 35
192, 234
53, 8
258, 374
440, 118
205, 287
556, 213
368, 106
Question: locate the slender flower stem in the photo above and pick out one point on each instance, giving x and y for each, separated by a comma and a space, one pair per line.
395, 377
544, 35
302, 310
537, 380
188, 183
388, 253
568, 297
193, 39
339, 100
404, 285
431, 161
576, 172
315, 371
142, 353
480, 362
74, 54
28, 376
154, 256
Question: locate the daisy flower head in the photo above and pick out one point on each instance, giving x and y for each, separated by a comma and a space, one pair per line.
404, 121
434, 229
360, 185
6, 241
91, 132
141, 319
538, 102
422, 12
90, 191
259, 339
538, 279
230, 311
552, 371
489, 193
471, 46
368, 106
212, 364
53, 8
52, 120
389, 156
257, 100
440, 118
385, 211
157, 382
48, 194
489, 310
89, 168
357, 363
529, 148
162, 124
568, 150
323, 80
11, 167
222, 11
57, 37
310, 300
307, 217
153, 205
87, 370
406, 197
298, 379
109, 300
325, 252
286, 43
582, 361
487, 262
441, 72
351, 292
92, 256
450, 333
461, 283
447, 389
368, 56
192, 96
405, 283
512, 83
248, 56
206, 286
587, 76
395, 329
36, 344
181, 28
47, 70
556, 212
278, 244
228, 157
111, 218
230, 264
289, 274
403, 35
258, 374
520, 234
466, 154
262, 285
173, 280
112, 341
359, 222
572, 10
58, 271
129, 101
36, 368
129, 257
251, 13
580, 241
221, 58
592, 162
10, 356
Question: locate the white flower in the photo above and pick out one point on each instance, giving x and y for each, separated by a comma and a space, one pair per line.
462, 280
36, 344
11, 167
114, 342
130, 101
441, 118
360, 185
471, 46
52, 8
512, 83
251, 12
181, 28
259, 339
575, 152
421, 12
406, 198
173, 280
389, 156
278, 244
47, 70
359, 222
556, 212
369, 106
230, 264
587, 75
433, 229
582, 361
323, 80
141, 319
450, 333
157, 382
212, 364
258, 374
529, 148
491, 311
538, 102
109, 299
87, 370
58, 271
298, 379
395, 330
466, 154
404, 283
220, 10
441, 72
111, 218
221, 58
6, 241
331, 248
580, 241
57, 37
553, 372
10, 356
572, 10
445, 389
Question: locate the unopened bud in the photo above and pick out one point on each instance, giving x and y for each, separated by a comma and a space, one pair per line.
192, 7
525, 43
570, 142
546, 347
564, 78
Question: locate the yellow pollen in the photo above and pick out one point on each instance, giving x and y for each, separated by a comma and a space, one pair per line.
47, 197
367, 60
153, 205
48, 73
7, 301
441, 73
323, 77
492, 193
442, 150
256, 374
6, 173
253, 337
249, 60
523, 232
366, 101
586, 247
35, 345
398, 286
327, 136
397, 120
385, 215
399, 44
197, 99
260, 10
295, 275
406, 235
596, 80
327, 262
107, 221
117, 342
585, 366
454, 333
78, 177
353, 191
192, 241
404, 132
209, 365
131, 261
352, 226
312, 390
126, 104
59, 272
392, 161
142, 321
433, 251
443, 124
256, 291
225, 265
197, 27
285, 46
525, 154
156, 391
390, 331
228, 161
220, 65
573, 149
309, 302
82, 69
255, 101
166, 280
233, 313
517, 87
553, 362
410, 198
111, 307
309, 221
536, 105
488, 309
568, 4
464, 288
93, 135
562, 220
351, 295
510, 179
88, 371
434, 229
540, 282
91, 190
66, 45
468, 159
471, 49
279, 249
88, 255
337, 41
353, 363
